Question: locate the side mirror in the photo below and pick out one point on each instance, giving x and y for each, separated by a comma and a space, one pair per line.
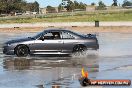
42, 38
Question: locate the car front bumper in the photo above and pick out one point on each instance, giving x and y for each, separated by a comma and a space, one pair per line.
8, 50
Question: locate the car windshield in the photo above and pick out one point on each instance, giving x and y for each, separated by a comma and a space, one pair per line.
38, 35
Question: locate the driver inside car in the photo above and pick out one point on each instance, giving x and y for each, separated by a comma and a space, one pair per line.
56, 35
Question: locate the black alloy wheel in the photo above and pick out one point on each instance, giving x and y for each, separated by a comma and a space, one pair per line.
22, 51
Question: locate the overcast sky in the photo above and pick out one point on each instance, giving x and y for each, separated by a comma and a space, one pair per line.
44, 3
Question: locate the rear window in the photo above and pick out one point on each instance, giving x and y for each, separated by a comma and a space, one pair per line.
67, 35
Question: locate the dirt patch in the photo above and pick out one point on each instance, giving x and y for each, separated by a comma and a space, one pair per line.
120, 29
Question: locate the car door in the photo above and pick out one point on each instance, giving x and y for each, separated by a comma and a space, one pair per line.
69, 40
48, 43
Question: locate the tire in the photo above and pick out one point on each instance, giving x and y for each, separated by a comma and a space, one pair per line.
79, 49
22, 51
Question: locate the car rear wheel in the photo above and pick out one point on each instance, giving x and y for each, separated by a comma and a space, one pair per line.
79, 49
21, 51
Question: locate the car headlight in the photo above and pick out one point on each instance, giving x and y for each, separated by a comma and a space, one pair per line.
6, 44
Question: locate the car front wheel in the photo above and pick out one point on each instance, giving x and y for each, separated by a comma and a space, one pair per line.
22, 51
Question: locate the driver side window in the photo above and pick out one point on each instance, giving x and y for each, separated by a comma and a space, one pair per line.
51, 35
48, 36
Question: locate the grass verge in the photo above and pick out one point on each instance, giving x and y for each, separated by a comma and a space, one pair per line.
73, 17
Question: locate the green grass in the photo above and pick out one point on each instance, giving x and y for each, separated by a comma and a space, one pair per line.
75, 17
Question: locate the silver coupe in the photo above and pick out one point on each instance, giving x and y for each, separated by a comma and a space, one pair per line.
51, 41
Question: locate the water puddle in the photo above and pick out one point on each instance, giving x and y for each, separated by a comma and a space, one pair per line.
112, 60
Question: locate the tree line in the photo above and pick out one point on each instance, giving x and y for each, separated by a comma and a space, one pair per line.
102, 6
69, 6
127, 3
10, 6
74, 5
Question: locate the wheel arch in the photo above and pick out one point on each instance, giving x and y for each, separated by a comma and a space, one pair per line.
21, 45
77, 45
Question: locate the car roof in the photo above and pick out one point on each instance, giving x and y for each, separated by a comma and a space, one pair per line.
56, 29
61, 29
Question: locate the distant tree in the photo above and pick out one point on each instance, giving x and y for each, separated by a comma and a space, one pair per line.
13, 6
50, 9
82, 6
3, 7
76, 4
92, 4
127, 3
36, 6
114, 3
70, 5
60, 7
101, 6
9, 6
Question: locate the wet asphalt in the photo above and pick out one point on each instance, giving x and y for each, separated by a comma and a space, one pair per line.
112, 61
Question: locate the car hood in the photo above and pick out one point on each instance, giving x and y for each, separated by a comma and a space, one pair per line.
19, 40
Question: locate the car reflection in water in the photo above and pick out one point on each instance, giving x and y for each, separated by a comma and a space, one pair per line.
23, 63
53, 86
57, 71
